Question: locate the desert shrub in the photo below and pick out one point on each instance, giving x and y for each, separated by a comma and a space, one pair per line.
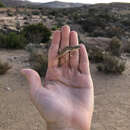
108, 31
96, 55
4, 67
1, 5
127, 48
36, 33
76, 16
9, 13
38, 57
39, 62
56, 12
111, 64
12, 40
53, 12
35, 12
50, 17
126, 20
54, 27
115, 46
26, 23
25, 18
104, 21
96, 17
3, 38
60, 21
116, 29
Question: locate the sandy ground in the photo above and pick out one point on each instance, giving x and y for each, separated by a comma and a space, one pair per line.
112, 98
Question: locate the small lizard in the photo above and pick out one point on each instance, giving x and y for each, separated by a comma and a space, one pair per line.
67, 50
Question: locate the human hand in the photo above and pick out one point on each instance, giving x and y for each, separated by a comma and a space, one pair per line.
66, 100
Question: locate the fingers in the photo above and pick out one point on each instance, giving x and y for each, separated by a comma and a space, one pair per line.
32, 77
53, 50
65, 39
74, 55
84, 62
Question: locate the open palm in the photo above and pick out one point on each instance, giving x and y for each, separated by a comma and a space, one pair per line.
67, 95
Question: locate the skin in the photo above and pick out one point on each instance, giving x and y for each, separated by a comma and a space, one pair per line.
66, 99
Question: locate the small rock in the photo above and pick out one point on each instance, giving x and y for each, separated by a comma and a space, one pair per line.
8, 89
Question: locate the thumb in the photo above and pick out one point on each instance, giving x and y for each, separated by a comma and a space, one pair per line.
32, 77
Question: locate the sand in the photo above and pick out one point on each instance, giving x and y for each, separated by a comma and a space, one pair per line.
112, 98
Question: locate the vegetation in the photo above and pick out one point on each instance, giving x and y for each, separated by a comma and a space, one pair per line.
112, 64
125, 20
109, 60
127, 49
96, 17
12, 40
4, 67
39, 62
36, 33
54, 27
99, 22
1, 5
35, 13
115, 46
96, 55
9, 13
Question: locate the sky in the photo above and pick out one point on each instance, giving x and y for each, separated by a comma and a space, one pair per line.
84, 1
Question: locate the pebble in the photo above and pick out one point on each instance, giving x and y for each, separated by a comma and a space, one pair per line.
8, 89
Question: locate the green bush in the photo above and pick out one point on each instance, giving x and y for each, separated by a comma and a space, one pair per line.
35, 12
4, 67
111, 64
1, 5
95, 17
9, 13
125, 20
54, 27
39, 62
127, 49
36, 33
115, 46
99, 22
25, 18
3, 41
96, 55
12, 40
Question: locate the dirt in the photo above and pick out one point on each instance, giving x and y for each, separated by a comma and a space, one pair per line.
112, 98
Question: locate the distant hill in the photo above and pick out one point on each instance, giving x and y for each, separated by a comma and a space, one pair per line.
58, 4
54, 4
14, 3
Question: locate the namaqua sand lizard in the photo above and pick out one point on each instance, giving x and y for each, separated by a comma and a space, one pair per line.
67, 50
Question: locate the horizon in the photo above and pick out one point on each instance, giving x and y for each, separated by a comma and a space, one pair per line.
83, 1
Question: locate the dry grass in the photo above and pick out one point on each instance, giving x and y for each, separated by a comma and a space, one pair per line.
4, 67
115, 47
112, 64
39, 62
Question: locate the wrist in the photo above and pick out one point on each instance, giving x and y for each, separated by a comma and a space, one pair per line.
53, 126
63, 126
